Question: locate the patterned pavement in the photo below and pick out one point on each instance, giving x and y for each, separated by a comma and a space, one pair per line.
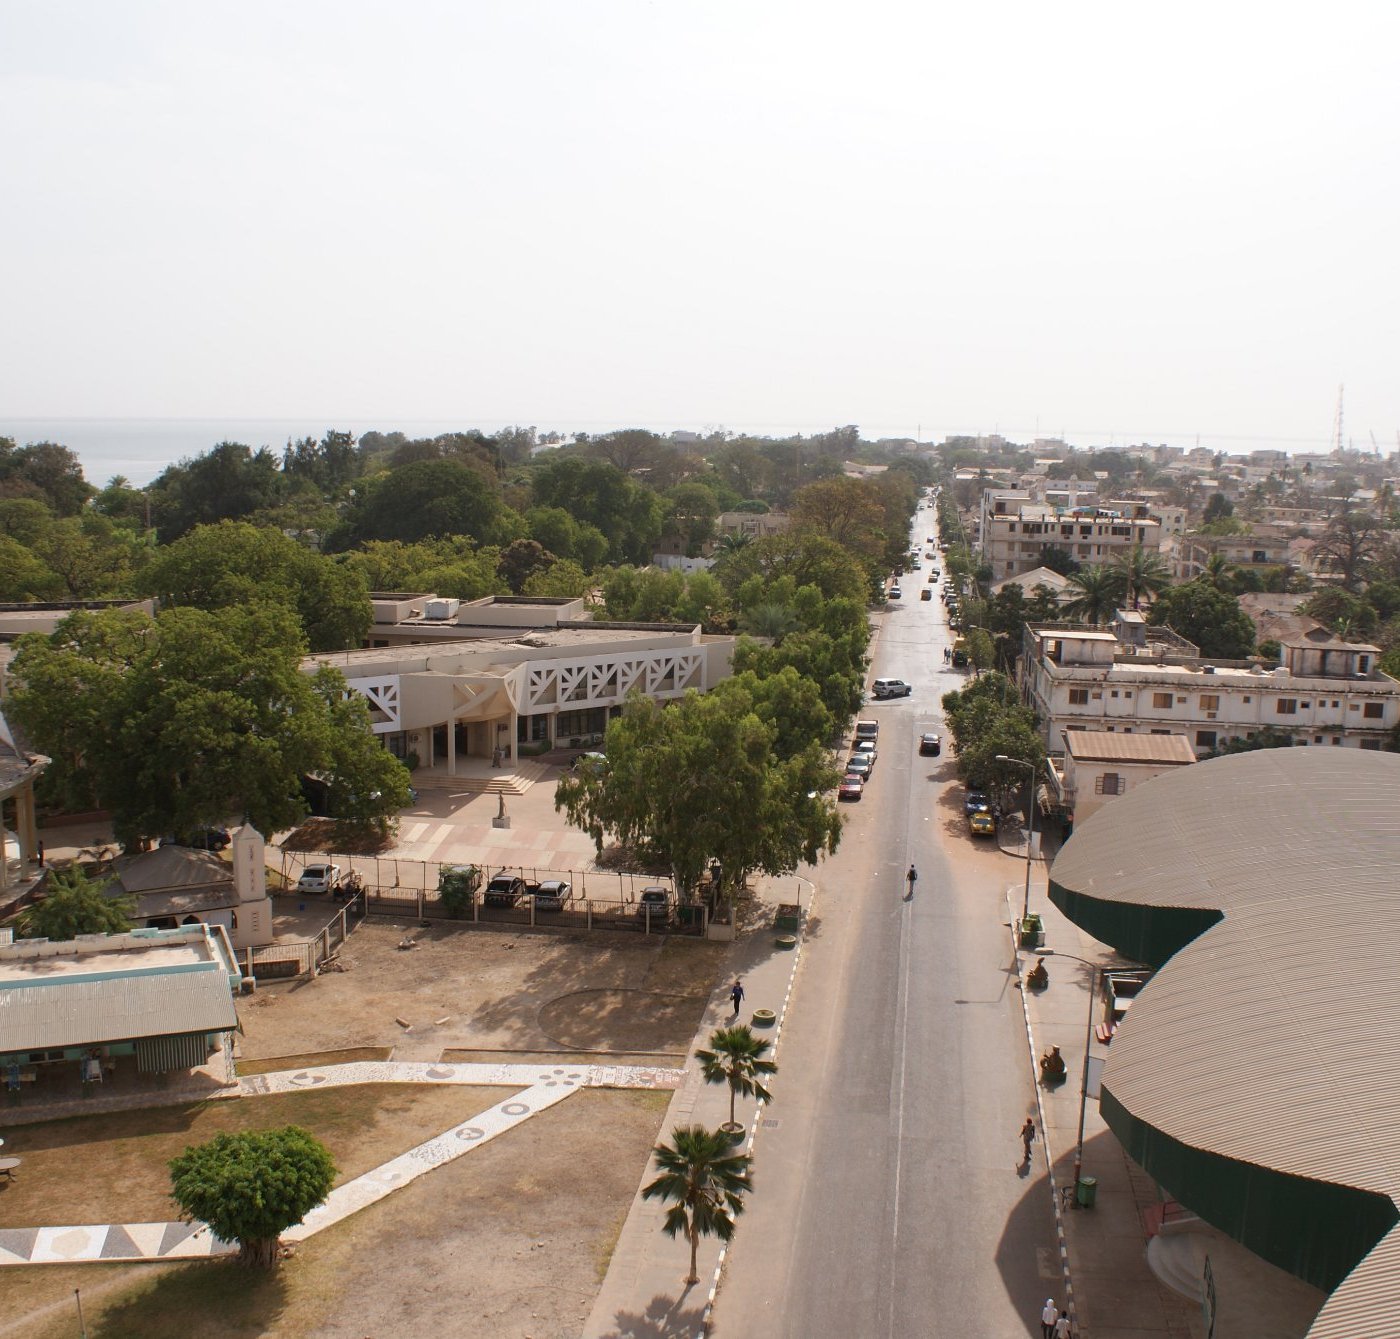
538, 1087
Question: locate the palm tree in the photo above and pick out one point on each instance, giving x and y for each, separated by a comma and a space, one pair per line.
734, 543
770, 620
735, 1057
1093, 594
1216, 571
1142, 573
704, 1181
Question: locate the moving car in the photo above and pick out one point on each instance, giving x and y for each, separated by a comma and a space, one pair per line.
882, 688
896, 593
976, 801
930, 746
982, 825
553, 894
851, 787
925, 594
318, 878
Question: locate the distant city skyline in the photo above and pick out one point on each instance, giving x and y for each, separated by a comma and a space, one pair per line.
1084, 223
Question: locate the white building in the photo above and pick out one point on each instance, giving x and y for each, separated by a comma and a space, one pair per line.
1098, 766
446, 678
1013, 532
1094, 679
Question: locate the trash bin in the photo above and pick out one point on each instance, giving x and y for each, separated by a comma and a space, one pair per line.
1086, 1192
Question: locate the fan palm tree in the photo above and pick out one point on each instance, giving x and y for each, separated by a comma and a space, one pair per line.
1142, 573
1216, 571
734, 543
770, 620
1093, 594
704, 1182
735, 1057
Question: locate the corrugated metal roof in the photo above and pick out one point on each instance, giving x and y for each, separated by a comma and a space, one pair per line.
1101, 746
1274, 1038
82, 1011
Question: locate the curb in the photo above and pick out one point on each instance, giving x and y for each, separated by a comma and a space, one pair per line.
1055, 1191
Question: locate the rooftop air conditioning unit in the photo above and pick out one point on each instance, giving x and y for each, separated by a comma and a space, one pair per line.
440, 610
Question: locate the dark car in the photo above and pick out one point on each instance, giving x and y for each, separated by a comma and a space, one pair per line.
976, 802
930, 746
203, 839
505, 890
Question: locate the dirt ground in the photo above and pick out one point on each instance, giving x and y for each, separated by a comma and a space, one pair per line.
489, 990
508, 1242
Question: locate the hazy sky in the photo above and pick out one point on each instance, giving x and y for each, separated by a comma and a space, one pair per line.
1112, 220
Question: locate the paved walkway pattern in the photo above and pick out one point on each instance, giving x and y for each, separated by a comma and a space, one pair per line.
538, 1087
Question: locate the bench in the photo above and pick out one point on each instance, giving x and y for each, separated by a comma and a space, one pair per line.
1104, 1032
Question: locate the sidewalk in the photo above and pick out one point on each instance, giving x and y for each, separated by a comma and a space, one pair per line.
1114, 1292
644, 1295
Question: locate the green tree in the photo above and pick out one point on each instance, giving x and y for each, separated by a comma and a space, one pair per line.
24, 577
74, 905
698, 780
738, 1058
172, 723
600, 495
1211, 618
520, 560
251, 1186
227, 483
789, 704
690, 513
1218, 507
45, 471
1058, 560
562, 580
980, 649
236, 564
1141, 573
704, 1181
1093, 594
426, 499
1267, 738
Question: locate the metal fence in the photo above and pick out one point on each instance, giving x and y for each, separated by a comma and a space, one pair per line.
303, 957
601, 901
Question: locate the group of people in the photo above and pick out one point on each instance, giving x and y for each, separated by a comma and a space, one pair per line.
1054, 1323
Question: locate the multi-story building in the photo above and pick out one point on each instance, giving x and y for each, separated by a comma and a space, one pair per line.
1013, 532
1323, 692
1098, 766
1263, 546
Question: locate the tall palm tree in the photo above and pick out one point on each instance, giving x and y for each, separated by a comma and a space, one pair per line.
770, 620
704, 1182
1216, 572
1093, 594
1142, 573
735, 543
736, 1057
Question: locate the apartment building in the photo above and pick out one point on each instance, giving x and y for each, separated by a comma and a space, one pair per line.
1322, 693
1263, 546
1014, 530
1098, 766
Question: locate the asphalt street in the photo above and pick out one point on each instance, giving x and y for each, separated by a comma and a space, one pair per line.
888, 1200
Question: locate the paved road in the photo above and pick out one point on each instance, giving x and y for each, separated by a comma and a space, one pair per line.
887, 1200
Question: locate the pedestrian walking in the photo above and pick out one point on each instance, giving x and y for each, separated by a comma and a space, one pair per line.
736, 995
1027, 1139
1050, 1313
912, 878
1062, 1330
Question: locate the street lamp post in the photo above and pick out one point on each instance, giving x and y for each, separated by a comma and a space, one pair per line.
1088, 1041
1030, 835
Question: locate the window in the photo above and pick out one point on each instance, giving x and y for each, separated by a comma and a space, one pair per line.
1114, 693
1373, 711
1205, 739
1317, 739
1161, 700
1128, 693
1210, 701
1161, 732
1110, 783
1287, 706
1247, 698
1335, 703
1373, 744
1363, 664
1079, 697
1336, 739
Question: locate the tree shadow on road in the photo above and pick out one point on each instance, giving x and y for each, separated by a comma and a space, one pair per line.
664, 1318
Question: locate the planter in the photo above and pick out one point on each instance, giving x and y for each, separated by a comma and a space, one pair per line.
786, 941
764, 1018
734, 1130
1032, 931
788, 918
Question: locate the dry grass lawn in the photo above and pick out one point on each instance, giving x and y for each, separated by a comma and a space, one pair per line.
507, 1242
112, 1167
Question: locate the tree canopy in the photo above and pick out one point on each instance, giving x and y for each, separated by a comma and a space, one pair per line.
252, 1185
173, 722
1209, 617
74, 904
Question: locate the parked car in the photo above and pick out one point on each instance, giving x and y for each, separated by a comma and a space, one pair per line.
867, 730
883, 688
655, 903
930, 746
896, 593
202, 839
553, 894
590, 759
851, 787
318, 878
976, 801
505, 890
860, 765
933, 576
867, 747
982, 824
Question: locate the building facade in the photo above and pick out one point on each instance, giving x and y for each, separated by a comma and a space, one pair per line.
1097, 767
1083, 678
1013, 533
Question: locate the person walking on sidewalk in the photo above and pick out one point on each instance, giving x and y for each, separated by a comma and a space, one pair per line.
1027, 1139
736, 995
1062, 1330
911, 878
1049, 1314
